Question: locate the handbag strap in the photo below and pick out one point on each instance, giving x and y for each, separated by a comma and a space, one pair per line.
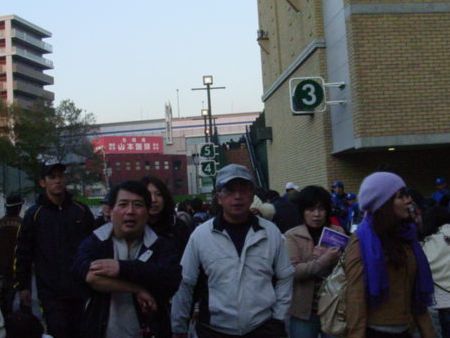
442, 288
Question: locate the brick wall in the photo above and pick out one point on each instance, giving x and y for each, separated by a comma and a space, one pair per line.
399, 66
400, 73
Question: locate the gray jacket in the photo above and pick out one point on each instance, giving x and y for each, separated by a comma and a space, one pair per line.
239, 293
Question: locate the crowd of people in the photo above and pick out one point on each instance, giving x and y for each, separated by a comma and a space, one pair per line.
251, 264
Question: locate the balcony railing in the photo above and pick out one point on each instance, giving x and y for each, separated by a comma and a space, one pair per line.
45, 47
31, 56
32, 90
32, 74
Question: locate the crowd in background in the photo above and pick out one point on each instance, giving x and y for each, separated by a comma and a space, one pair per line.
151, 268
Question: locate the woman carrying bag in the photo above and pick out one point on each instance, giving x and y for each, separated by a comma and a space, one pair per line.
389, 279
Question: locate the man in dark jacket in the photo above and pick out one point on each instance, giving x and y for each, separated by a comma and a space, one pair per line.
131, 272
48, 240
9, 226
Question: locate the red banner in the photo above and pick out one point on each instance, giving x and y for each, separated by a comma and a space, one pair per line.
129, 144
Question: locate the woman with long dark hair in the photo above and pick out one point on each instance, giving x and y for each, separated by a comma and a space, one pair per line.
389, 283
162, 215
312, 263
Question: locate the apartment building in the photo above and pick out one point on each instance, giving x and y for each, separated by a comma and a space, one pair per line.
23, 62
394, 59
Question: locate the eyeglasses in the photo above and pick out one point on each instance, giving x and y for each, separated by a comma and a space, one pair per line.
242, 189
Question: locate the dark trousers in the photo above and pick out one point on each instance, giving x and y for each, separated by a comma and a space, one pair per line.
270, 329
444, 319
377, 334
63, 317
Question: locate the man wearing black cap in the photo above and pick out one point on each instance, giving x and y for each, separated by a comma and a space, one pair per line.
238, 265
9, 226
51, 233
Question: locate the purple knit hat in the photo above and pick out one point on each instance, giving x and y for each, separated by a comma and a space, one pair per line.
377, 188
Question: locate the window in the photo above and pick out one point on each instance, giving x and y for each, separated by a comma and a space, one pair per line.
176, 165
117, 164
138, 165
179, 183
147, 165
157, 165
127, 166
166, 165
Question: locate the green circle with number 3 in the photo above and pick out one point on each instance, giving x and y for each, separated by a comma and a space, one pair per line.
308, 95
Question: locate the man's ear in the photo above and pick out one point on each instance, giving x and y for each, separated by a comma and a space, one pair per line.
42, 183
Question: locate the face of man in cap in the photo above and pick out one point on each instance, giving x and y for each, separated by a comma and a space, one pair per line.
54, 183
235, 198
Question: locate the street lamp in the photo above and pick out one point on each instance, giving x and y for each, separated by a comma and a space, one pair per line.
205, 114
196, 160
208, 81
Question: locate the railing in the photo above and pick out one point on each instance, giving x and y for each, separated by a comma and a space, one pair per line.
33, 90
253, 159
31, 56
32, 40
32, 73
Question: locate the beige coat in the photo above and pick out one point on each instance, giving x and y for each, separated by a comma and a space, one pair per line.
300, 248
396, 310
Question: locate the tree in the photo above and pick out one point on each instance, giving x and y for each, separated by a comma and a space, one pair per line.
42, 133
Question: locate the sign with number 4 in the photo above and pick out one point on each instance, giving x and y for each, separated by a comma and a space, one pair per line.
208, 168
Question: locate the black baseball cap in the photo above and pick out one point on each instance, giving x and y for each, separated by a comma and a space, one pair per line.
48, 167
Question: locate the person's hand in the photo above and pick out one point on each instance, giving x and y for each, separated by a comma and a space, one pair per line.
331, 255
25, 298
318, 251
146, 302
105, 267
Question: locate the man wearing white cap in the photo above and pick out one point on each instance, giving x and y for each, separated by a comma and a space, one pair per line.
238, 264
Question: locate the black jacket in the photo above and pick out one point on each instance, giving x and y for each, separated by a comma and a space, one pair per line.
49, 238
160, 275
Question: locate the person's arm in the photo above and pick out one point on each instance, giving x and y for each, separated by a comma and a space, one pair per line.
183, 299
284, 273
89, 221
161, 274
305, 270
425, 325
355, 297
109, 285
24, 257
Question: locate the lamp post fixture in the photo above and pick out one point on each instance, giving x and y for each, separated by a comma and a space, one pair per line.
208, 81
196, 160
205, 115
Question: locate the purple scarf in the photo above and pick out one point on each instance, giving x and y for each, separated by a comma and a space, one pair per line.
375, 271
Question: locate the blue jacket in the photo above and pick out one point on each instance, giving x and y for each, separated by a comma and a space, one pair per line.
159, 273
49, 238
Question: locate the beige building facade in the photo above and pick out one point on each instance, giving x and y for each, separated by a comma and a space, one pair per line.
22, 62
394, 59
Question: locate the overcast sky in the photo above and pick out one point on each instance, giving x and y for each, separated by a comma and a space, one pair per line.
123, 61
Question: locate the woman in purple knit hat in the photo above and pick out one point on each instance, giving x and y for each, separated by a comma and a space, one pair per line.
389, 280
